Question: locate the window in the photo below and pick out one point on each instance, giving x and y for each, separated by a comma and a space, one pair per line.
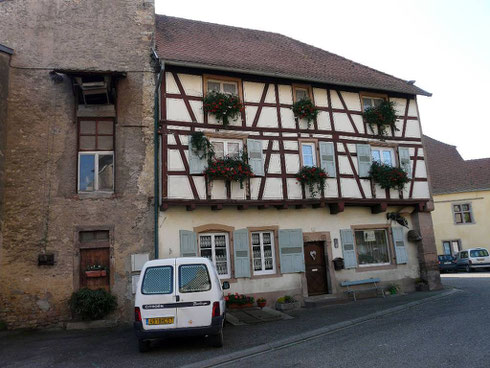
193, 278
94, 236
263, 253
451, 247
372, 247
223, 86
158, 280
227, 148
383, 155
475, 253
216, 247
463, 255
463, 213
300, 92
96, 156
368, 102
308, 154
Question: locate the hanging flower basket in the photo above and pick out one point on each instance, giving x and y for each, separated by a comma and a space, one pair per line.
305, 109
201, 146
314, 177
223, 106
229, 169
382, 116
388, 177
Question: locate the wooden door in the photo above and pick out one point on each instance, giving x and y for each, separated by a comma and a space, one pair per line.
316, 271
94, 256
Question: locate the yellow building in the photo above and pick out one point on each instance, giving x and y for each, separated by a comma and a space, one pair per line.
461, 192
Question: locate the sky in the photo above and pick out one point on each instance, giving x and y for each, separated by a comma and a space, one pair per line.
443, 45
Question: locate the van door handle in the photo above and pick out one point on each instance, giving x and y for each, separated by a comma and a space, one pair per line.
177, 298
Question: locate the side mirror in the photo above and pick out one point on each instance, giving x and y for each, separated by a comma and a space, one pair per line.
226, 285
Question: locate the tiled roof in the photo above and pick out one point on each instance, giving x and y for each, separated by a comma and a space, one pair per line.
218, 46
449, 173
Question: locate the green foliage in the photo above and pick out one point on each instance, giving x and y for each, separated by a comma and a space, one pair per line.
393, 289
381, 116
201, 146
312, 176
230, 169
223, 106
305, 109
261, 300
239, 299
286, 299
96, 267
3, 325
388, 177
92, 304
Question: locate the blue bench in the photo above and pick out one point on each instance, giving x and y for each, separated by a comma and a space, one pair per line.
373, 282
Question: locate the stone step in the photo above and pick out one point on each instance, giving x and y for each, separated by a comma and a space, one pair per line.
321, 300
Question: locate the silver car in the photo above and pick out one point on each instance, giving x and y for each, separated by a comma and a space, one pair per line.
473, 258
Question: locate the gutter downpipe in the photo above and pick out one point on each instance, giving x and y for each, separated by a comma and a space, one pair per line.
156, 149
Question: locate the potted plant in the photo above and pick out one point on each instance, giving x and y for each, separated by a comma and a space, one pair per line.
201, 146
239, 301
381, 116
92, 304
229, 169
393, 289
223, 106
261, 302
95, 270
305, 109
314, 177
287, 303
388, 177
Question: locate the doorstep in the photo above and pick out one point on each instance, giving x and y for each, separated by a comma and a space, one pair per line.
254, 315
322, 300
89, 325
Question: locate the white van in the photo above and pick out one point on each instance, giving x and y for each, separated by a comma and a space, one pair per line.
179, 297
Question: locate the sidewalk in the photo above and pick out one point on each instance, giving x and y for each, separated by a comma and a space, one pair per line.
117, 347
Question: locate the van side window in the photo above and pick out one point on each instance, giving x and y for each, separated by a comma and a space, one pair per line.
193, 278
158, 280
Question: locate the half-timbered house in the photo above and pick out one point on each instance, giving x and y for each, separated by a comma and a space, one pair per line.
271, 236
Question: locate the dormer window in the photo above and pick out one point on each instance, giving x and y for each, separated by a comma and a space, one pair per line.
301, 92
370, 101
222, 86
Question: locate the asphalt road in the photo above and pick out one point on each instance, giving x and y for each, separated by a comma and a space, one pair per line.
449, 332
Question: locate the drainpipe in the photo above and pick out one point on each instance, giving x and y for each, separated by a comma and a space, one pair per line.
156, 145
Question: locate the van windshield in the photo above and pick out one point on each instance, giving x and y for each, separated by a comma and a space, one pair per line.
158, 280
193, 278
479, 253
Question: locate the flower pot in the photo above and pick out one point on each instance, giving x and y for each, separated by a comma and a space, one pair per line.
97, 273
261, 304
284, 307
239, 306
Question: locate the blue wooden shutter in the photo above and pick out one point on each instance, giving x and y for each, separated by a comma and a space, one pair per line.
255, 156
327, 158
404, 156
363, 159
291, 250
241, 251
188, 243
196, 164
400, 250
348, 251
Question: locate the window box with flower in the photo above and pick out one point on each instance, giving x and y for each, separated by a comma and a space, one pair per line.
305, 109
96, 270
239, 301
229, 169
224, 106
313, 177
387, 176
382, 116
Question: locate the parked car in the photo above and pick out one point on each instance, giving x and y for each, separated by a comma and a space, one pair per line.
471, 259
447, 263
179, 297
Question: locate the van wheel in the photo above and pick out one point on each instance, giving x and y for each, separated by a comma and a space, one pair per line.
143, 345
216, 340
468, 268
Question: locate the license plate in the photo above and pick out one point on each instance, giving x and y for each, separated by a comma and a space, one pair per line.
160, 321
480, 259
447, 262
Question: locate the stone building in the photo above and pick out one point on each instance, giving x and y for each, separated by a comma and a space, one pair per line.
76, 152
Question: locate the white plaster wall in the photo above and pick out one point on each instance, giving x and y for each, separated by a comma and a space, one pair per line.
413, 129
170, 85
344, 165
250, 112
254, 187
218, 189
270, 97
176, 110
400, 105
268, 118
275, 164
350, 188
179, 187
285, 94
291, 145
323, 120
421, 189
412, 109
342, 122
331, 189
192, 84
334, 97
174, 160
252, 92
320, 97
294, 189
287, 118
200, 184
421, 170
352, 100
273, 188
292, 163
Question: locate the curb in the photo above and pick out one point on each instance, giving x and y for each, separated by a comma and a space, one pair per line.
279, 344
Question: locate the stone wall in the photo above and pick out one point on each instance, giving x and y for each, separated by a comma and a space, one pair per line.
42, 210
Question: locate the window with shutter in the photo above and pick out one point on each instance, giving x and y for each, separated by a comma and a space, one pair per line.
196, 164
263, 253
291, 250
241, 253
255, 156
327, 158
363, 159
188, 243
404, 155
348, 251
216, 247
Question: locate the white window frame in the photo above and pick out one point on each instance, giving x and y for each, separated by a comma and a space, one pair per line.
262, 257
313, 147
221, 87
372, 98
296, 89
225, 145
213, 251
381, 151
96, 171
387, 246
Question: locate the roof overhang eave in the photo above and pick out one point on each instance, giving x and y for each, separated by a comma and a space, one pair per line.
285, 76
